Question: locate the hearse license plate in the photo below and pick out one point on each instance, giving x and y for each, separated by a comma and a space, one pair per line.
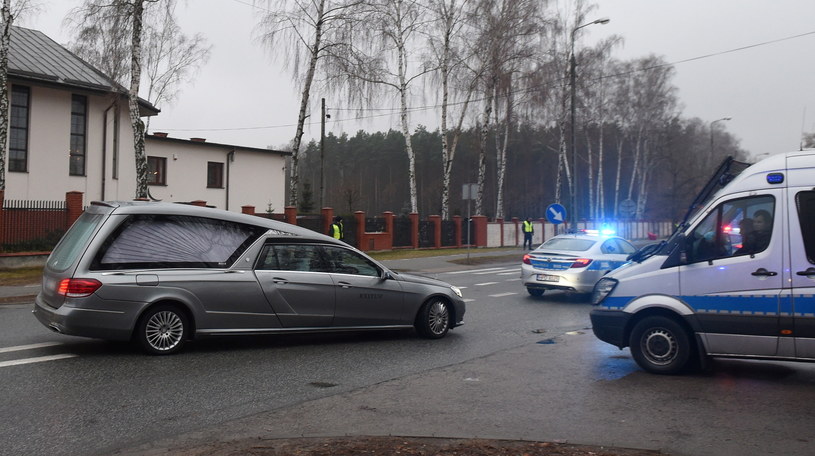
548, 278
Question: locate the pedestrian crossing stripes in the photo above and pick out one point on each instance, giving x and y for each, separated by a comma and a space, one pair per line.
36, 359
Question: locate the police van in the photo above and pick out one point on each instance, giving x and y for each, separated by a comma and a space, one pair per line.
736, 279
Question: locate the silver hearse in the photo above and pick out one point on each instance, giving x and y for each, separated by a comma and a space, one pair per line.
163, 273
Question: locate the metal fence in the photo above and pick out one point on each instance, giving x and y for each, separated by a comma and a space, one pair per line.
32, 225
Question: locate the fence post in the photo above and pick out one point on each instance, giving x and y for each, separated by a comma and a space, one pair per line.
362, 243
457, 221
414, 229
2, 213
291, 215
388, 216
480, 230
328, 218
436, 221
517, 230
73, 205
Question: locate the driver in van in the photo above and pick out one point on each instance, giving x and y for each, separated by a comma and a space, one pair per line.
758, 238
762, 229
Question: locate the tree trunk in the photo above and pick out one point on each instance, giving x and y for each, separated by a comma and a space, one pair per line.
501, 149
133, 101
482, 147
5, 39
294, 172
414, 205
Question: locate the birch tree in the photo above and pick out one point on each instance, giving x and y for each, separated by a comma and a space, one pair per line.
504, 30
7, 16
171, 57
388, 38
110, 35
307, 29
446, 39
5, 39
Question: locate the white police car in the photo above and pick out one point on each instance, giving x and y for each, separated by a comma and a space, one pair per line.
573, 262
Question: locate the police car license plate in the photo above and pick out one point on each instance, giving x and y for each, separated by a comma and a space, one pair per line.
548, 278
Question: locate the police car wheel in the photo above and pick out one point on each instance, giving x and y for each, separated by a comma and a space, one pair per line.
535, 291
660, 345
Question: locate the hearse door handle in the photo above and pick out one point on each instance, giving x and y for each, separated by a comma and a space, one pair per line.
761, 272
344, 284
809, 272
279, 280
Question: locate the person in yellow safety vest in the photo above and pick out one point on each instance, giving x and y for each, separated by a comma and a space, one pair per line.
336, 229
529, 229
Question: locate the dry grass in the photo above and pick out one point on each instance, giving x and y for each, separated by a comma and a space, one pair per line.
20, 276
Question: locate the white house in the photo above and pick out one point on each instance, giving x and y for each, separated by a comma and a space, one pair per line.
69, 130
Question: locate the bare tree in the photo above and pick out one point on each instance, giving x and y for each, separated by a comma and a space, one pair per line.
109, 34
7, 16
505, 45
171, 57
447, 40
308, 29
371, 52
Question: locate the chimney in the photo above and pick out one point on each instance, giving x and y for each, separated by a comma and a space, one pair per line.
198, 139
160, 134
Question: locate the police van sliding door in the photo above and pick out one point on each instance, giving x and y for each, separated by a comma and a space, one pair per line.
802, 269
733, 275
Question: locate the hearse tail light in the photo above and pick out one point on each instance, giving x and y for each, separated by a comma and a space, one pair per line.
78, 288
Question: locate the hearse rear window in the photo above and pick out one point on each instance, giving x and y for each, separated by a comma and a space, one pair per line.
173, 241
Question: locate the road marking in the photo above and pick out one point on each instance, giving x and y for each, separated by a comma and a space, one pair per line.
516, 279
485, 283
471, 271
501, 295
469, 299
39, 359
509, 273
28, 347
499, 271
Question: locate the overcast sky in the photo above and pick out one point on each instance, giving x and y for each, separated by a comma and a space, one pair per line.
751, 60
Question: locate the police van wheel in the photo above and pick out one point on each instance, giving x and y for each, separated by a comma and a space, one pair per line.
660, 345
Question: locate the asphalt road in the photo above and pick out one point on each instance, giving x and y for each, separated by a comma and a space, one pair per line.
521, 367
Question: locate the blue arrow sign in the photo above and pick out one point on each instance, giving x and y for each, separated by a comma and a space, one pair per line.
556, 213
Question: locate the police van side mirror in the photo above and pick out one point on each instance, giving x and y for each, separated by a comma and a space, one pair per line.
677, 255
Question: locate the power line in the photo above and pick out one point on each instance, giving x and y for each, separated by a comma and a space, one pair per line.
391, 111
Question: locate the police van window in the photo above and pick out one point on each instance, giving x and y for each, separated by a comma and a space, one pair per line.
806, 216
734, 228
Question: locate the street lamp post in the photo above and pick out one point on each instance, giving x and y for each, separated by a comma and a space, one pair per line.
572, 79
723, 119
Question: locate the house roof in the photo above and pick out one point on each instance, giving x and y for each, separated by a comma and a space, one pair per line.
203, 143
34, 56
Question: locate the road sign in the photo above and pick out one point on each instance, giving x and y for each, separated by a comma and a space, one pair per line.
469, 191
556, 213
628, 208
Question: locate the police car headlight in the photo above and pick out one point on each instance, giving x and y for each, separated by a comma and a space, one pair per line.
602, 289
456, 290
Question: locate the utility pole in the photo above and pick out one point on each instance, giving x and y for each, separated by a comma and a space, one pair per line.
322, 155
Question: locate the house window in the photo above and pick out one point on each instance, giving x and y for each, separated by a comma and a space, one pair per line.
18, 129
156, 171
79, 121
215, 175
